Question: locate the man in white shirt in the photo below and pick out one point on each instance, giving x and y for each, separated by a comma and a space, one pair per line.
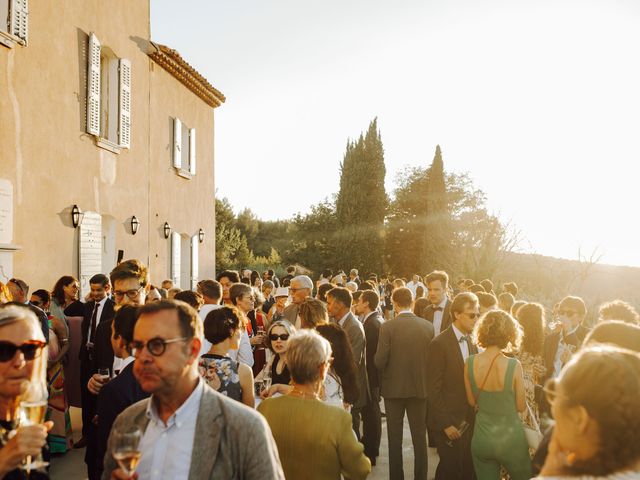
188, 429
414, 284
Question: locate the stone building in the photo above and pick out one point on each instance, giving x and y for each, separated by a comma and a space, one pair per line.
102, 128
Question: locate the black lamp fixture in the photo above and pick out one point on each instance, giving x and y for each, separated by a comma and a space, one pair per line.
75, 216
201, 235
167, 229
134, 225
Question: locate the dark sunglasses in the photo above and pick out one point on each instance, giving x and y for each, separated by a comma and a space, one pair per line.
156, 346
472, 315
284, 337
30, 350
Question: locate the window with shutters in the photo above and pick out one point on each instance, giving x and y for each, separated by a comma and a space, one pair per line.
14, 16
184, 149
108, 97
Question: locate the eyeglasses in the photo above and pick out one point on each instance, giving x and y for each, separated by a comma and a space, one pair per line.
472, 315
284, 337
132, 294
30, 350
156, 346
567, 313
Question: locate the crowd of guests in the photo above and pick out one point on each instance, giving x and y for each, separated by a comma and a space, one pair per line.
255, 376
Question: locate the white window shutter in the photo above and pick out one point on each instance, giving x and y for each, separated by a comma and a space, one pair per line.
192, 151
194, 261
124, 102
93, 86
20, 18
175, 258
177, 143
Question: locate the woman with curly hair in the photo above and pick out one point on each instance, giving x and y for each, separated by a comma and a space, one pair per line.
595, 402
495, 386
531, 356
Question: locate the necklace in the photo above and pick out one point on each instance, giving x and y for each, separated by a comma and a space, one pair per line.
296, 392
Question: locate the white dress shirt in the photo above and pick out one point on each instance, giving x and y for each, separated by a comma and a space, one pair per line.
100, 306
437, 317
244, 354
342, 320
202, 314
557, 361
166, 448
464, 346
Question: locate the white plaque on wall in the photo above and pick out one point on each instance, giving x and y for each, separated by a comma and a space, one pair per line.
6, 211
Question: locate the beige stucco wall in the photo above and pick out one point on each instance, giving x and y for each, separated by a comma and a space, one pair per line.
53, 164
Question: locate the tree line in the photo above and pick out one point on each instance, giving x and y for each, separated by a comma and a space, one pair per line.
434, 219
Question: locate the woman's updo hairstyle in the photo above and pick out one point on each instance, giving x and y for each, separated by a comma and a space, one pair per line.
221, 323
605, 380
497, 328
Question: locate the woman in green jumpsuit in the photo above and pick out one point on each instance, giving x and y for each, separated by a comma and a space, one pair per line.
498, 435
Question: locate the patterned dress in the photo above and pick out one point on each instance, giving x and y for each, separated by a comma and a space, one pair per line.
533, 370
60, 437
221, 374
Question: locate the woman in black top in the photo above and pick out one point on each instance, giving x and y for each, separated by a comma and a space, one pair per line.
278, 338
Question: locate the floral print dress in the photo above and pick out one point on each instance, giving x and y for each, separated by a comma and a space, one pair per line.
221, 374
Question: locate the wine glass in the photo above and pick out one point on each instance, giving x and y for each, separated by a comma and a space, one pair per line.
266, 380
105, 374
33, 409
126, 449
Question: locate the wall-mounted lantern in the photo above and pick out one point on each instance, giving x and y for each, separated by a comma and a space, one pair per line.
167, 229
201, 235
134, 225
75, 216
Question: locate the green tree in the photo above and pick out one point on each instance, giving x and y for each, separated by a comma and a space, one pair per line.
362, 203
228, 237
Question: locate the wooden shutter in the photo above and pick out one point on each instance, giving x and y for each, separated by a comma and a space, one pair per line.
124, 103
93, 86
90, 249
192, 151
19, 18
194, 261
175, 258
177, 143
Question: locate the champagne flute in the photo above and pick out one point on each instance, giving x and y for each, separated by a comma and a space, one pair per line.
126, 450
33, 410
266, 381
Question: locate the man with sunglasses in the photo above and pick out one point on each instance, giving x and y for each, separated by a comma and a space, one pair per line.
560, 345
448, 405
189, 430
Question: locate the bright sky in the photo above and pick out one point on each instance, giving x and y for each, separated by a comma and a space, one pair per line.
538, 100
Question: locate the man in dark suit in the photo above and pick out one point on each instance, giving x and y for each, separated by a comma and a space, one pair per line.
401, 358
367, 308
560, 345
123, 390
448, 405
439, 311
96, 311
130, 281
339, 307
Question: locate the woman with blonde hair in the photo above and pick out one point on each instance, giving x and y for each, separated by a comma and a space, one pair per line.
495, 386
315, 440
23, 356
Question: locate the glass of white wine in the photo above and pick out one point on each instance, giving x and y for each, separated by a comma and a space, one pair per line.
33, 410
126, 450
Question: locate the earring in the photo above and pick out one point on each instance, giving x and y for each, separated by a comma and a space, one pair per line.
570, 459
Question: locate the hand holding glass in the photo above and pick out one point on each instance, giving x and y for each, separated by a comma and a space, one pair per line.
125, 449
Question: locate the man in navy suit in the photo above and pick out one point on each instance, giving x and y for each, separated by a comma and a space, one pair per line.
448, 404
124, 390
439, 311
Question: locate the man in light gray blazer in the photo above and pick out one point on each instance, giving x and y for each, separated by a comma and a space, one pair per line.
189, 431
401, 359
339, 308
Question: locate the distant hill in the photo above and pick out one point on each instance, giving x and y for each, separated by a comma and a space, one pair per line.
548, 279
